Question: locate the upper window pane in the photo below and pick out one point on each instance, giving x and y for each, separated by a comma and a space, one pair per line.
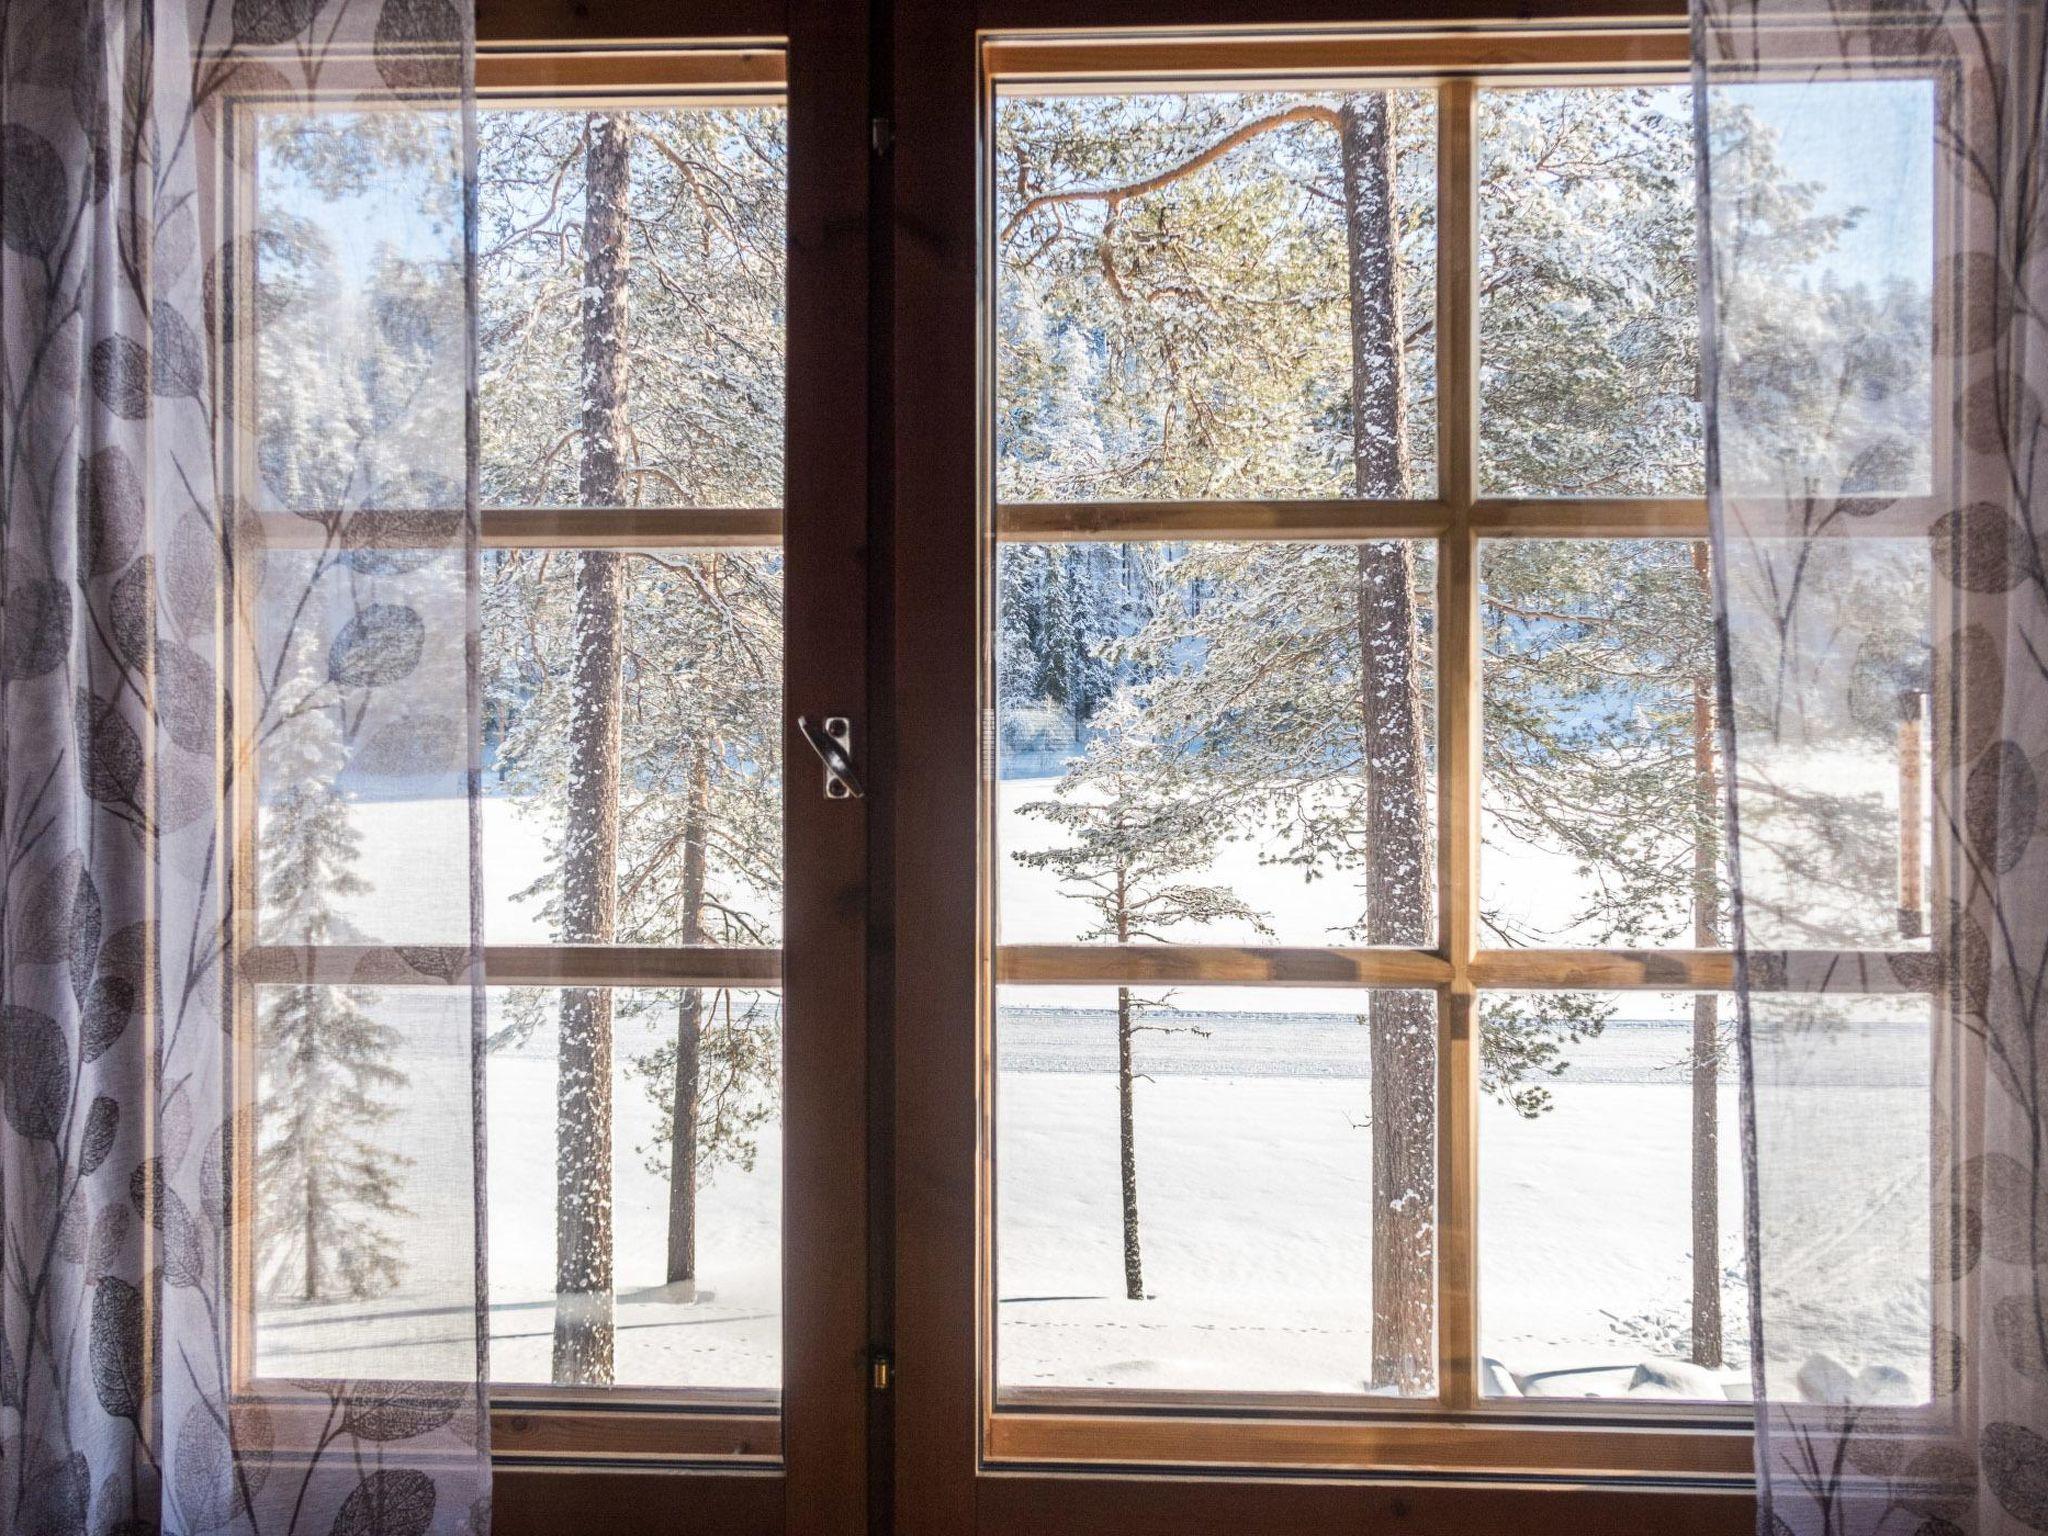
1216, 743
699, 219
1215, 295
1588, 293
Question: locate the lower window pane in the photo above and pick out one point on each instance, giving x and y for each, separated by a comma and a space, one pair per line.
1605, 1166
1216, 1230
694, 1295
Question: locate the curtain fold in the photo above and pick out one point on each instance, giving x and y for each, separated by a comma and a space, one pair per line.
240, 1043
1873, 228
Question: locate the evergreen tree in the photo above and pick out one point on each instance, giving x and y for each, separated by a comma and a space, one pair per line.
326, 1185
1135, 821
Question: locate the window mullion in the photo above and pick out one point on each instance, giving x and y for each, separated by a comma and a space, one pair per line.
1458, 747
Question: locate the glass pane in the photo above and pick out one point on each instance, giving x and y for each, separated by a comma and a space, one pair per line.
362, 1180
1609, 1158
1589, 293
1824, 202
1193, 748
693, 204
356, 1147
1261, 1217
354, 303
359, 780
1851, 1116
1602, 790
695, 673
1215, 294
1837, 798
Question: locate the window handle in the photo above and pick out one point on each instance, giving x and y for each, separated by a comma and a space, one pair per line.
834, 746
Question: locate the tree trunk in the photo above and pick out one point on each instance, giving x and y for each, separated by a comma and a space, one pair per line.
313, 1213
682, 1143
1134, 1271
1399, 883
583, 1093
1706, 1044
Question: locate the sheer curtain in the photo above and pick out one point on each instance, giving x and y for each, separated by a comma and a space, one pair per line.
240, 1164
1873, 220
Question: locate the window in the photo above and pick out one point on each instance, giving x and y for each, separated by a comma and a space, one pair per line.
1361, 1052
631, 278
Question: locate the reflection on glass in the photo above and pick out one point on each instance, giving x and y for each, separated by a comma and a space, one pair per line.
1610, 1200
1851, 1116
356, 1148
364, 1225
1589, 293
1836, 799
1215, 294
1215, 743
1220, 1189
700, 221
698, 782
1824, 247
1602, 790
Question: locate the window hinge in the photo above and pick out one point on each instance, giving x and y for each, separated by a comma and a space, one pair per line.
881, 135
881, 1369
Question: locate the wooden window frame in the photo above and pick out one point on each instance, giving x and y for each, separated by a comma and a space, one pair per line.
761, 1462
1056, 1442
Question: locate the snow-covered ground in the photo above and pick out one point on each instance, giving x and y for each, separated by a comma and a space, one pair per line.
1254, 1173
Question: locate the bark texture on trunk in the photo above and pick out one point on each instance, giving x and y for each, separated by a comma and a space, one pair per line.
682, 1144
1706, 1020
1392, 724
583, 1342
1127, 1143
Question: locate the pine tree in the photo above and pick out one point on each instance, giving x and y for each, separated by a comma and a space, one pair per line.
326, 1185
1135, 820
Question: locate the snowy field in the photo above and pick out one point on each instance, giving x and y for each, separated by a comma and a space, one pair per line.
1254, 1173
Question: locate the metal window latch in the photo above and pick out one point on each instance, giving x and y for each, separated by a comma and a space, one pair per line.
834, 746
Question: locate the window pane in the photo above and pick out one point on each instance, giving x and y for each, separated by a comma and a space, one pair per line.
1589, 293
1602, 787
1837, 797
1605, 1166
696, 1264
1190, 740
696, 206
1851, 1115
697, 785
1175, 295
1269, 1223
357, 1148
364, 1228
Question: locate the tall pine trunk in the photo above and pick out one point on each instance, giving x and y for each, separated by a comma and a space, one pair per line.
1392, 722
1127, 1145
583, 1093
1706, 1044
1126, 1115
682, 1144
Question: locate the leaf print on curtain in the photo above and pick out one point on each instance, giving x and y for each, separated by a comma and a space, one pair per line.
237, 603
1879, 512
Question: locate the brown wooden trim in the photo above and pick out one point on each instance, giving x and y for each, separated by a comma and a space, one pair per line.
1438, 1443
1213, 965
550, 74
1689, 970
533, 528
598, 1430
513, 965
1134, 1504
530, 1499
1676, 517
1119, 521
626, 21
1306, 57
826, 915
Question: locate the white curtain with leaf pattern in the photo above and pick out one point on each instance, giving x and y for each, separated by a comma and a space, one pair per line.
1880, 512
238, 568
